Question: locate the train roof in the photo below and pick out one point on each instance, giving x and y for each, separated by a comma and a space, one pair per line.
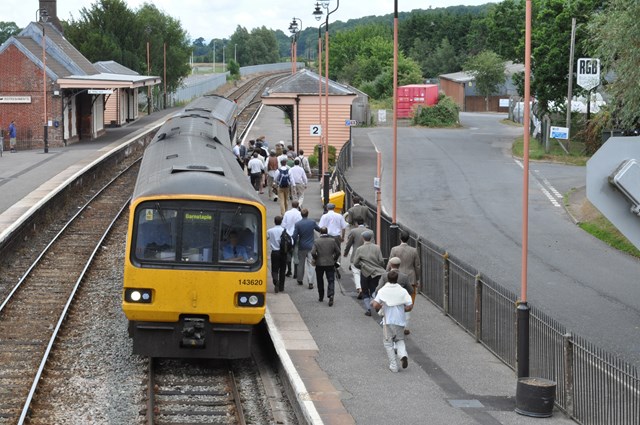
191, 155
218, 107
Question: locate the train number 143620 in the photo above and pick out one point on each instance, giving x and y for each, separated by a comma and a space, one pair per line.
250, 281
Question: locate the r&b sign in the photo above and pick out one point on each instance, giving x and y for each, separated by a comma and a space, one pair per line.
588, 73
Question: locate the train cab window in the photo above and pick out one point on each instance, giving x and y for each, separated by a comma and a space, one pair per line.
156, 236
197, 236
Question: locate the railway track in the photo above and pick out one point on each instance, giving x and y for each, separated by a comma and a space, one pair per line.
192, 392
35, 309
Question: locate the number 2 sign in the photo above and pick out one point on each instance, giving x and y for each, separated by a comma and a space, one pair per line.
315, 130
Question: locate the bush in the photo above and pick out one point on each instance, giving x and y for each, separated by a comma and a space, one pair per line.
332, 155
443, 114
313, 161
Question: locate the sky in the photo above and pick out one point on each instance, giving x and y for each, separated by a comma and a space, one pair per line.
219, 18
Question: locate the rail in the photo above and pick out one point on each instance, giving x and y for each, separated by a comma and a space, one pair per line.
593, 386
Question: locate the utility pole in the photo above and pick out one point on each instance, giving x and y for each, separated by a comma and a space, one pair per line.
570, 91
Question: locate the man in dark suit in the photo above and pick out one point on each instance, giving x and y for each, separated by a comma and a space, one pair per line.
325, 252
303, 238
355, 241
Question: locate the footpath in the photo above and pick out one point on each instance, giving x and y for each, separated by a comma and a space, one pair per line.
336, 355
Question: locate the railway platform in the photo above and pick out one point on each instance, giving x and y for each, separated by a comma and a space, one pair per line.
333, 356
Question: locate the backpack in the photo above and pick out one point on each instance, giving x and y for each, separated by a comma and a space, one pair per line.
286, 243
283, 179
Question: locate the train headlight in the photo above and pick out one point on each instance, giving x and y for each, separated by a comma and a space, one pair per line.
246, 299
140, 296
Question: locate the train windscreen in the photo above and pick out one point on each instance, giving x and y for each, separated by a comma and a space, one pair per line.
225, 235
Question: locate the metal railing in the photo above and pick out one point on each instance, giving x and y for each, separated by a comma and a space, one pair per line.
593, 386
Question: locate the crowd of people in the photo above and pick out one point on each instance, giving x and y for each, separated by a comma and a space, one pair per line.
309, 251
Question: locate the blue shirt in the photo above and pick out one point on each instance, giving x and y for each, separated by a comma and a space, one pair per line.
234, 251
12, 130
303, 233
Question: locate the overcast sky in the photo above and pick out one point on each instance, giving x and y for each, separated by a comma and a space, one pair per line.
219, 18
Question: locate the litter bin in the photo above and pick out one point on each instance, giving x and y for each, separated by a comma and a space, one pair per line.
337, 198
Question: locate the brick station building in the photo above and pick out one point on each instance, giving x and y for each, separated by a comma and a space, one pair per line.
78, 99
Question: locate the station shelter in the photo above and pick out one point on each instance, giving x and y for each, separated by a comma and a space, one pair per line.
297, 95
72, 97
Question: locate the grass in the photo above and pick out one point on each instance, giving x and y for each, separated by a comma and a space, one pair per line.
556, 153
602, 229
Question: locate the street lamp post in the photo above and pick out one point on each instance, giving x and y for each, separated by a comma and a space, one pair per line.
44, 16
224, 64
214, 56
235, 53
325, 158
294, 29
317, 13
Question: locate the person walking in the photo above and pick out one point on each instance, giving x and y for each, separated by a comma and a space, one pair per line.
13, 131
304, 162
355, 241
272, 170
303, 238
298, 181
369, 260
240, 151
289, 220
256, 169
358, 210
283, 182
409, 264
336, 225
394, 301
403, 280
325, 252
277, 260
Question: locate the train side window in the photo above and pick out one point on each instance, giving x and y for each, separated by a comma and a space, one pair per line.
156, 236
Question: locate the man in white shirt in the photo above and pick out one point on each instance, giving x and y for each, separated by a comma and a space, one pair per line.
298, 181
256, 169
395, 302
334, 222
304, 162
289, 220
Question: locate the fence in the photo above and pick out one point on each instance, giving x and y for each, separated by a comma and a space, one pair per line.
593, 387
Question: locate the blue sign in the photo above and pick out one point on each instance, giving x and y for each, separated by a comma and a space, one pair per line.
559, 133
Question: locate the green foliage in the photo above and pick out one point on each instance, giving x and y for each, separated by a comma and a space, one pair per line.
7, 29
313, 161
556, 153
109, 30
615, 35
602, 229
550, 39
488, 70
234, 69
316, 155
443, 60
262, 47
443, 114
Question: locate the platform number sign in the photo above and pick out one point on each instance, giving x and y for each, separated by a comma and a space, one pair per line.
315, 130
588, 73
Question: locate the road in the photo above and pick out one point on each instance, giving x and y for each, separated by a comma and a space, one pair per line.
462, 190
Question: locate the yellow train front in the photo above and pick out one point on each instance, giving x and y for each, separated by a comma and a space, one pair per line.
195, 273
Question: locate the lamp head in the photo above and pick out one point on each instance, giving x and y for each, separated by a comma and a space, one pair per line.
44, 15
317, 13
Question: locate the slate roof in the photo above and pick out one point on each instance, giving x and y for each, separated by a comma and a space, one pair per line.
113, 67
306, 82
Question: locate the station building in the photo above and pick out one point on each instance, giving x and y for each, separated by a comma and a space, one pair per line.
297, 95
46, 82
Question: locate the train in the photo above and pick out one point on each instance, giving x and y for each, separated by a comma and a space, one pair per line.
195, 268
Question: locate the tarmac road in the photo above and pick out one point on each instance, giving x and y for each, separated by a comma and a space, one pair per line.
462, 190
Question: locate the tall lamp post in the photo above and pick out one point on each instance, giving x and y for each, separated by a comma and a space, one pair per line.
294, 29
214, 56
224, 63
44, 17
317, 13
325, 158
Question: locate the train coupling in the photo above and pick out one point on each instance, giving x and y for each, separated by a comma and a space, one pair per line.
193, 333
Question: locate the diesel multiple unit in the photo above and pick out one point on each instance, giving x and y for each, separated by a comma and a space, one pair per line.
195, 272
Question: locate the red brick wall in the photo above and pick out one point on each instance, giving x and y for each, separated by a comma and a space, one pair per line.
21, 77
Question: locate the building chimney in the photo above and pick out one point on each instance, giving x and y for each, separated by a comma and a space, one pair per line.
52, 10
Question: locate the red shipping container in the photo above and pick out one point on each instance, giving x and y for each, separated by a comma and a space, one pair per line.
412, 95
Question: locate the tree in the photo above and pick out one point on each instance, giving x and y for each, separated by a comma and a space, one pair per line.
241, 38
442, 60
262, 46
615, 35
109, 30
7, 29
488, 70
